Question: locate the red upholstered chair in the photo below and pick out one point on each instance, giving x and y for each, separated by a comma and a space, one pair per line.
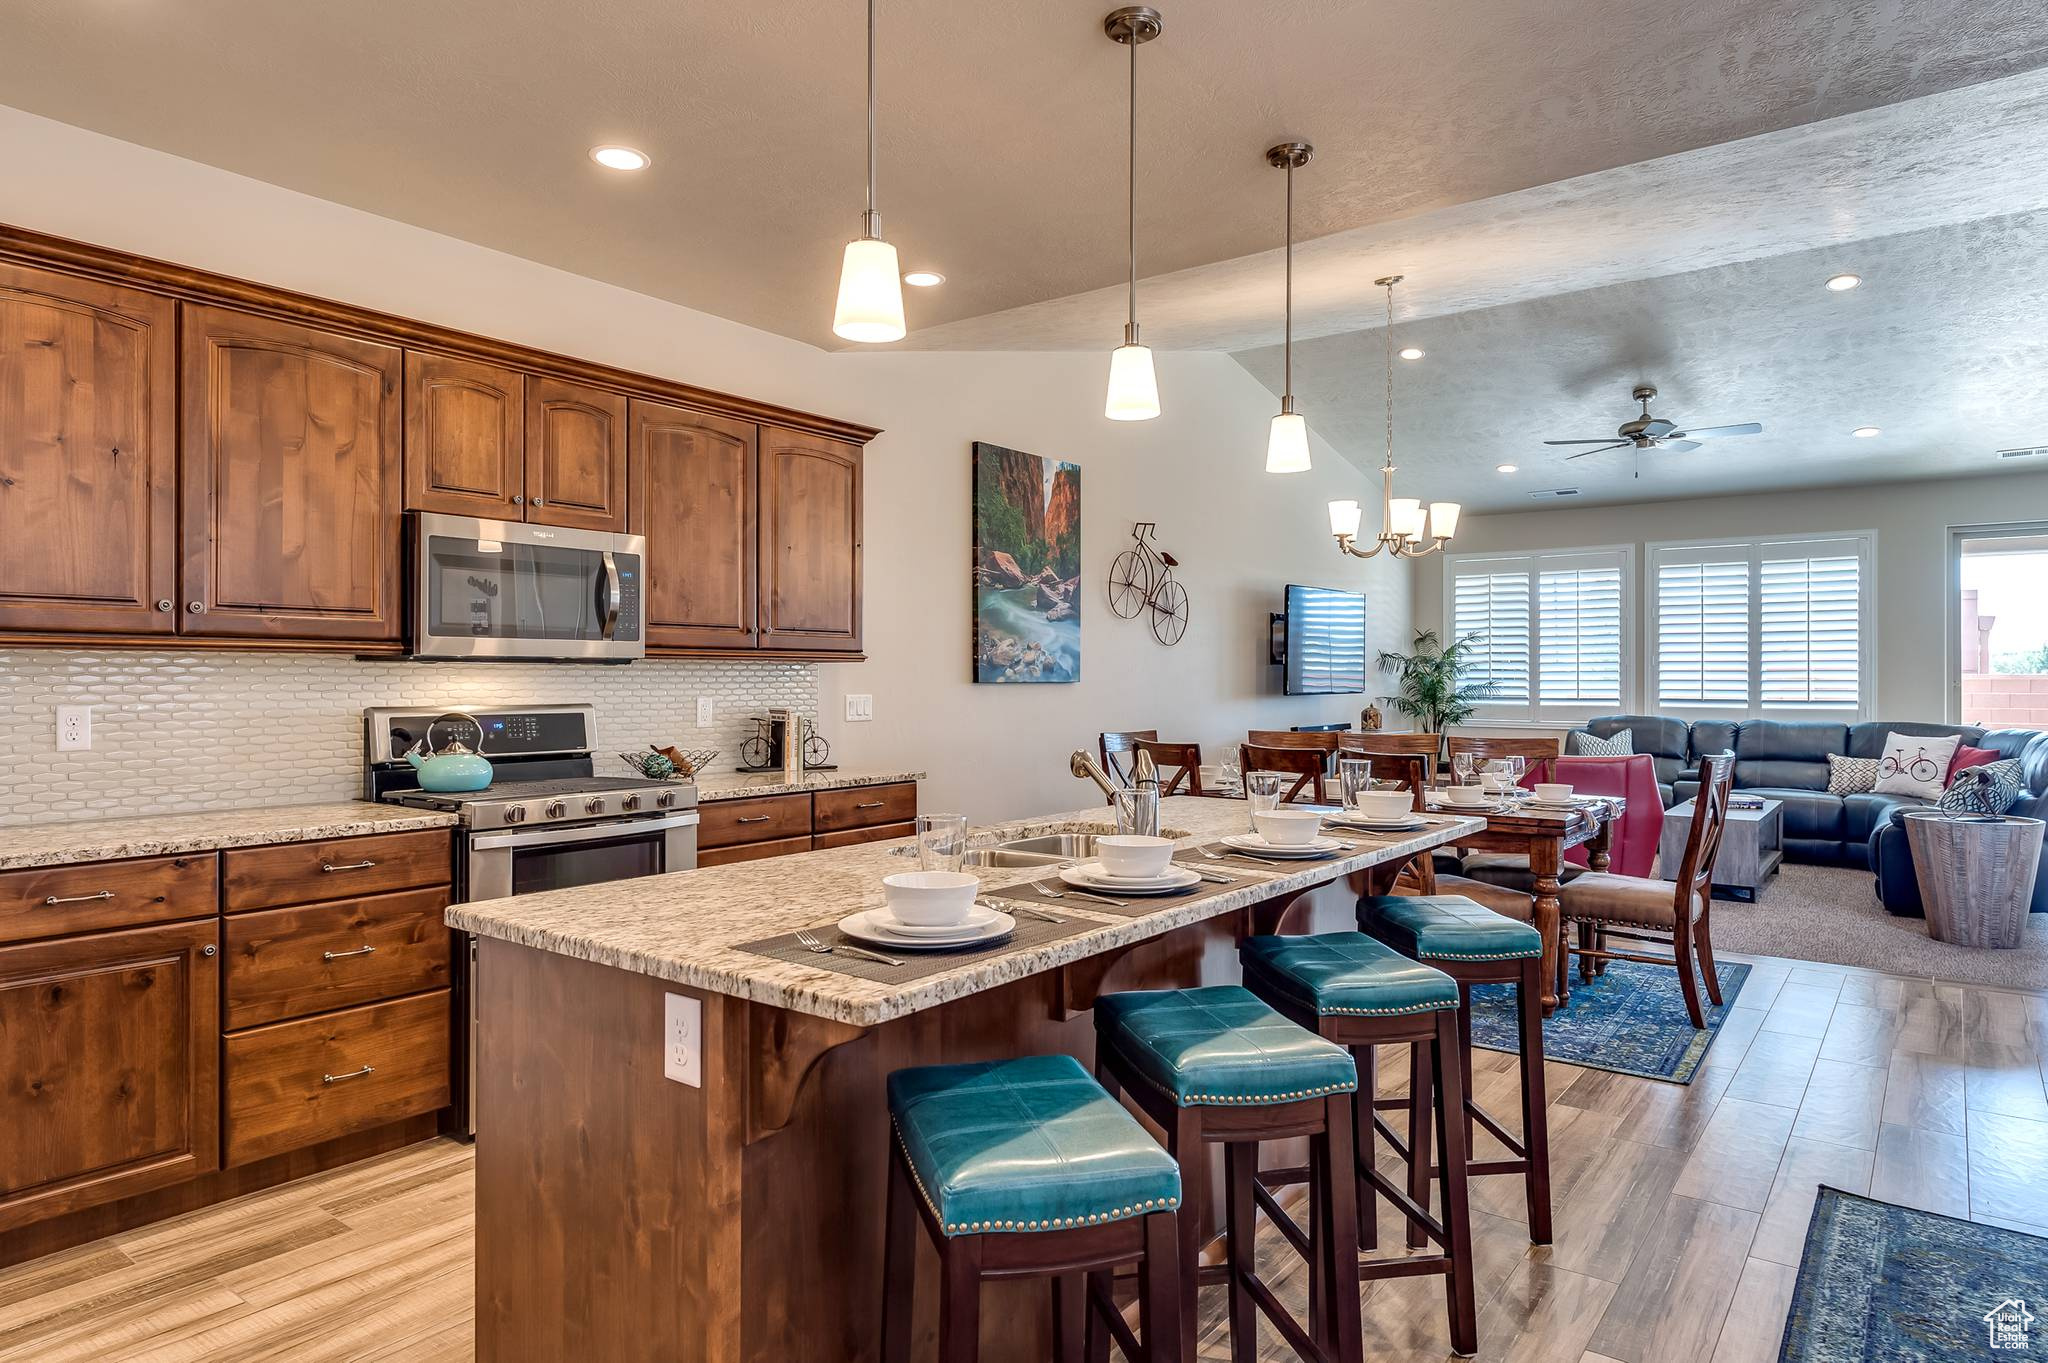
1634, 778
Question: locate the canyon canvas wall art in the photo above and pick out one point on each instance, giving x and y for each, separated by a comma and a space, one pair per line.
1027, 567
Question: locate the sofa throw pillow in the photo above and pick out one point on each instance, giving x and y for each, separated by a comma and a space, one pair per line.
1851, 775
1915, 765
1578, 744
1967, 756
1984, 788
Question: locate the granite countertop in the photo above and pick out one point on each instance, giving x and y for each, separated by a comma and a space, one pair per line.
154, 835
738, 785
686, 927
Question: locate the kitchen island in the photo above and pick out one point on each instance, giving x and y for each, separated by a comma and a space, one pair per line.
735, 1212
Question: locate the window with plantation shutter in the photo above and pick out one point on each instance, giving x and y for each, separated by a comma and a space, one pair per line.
1548, 631
1763, 627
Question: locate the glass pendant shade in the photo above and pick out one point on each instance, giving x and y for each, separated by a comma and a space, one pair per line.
1287, 445
1443, 519
1344, 519
1404, 516
870, 293
1133, 390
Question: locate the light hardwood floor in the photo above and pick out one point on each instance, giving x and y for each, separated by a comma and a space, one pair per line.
1673, 1204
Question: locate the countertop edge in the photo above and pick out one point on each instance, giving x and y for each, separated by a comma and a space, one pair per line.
265, 826
812, 782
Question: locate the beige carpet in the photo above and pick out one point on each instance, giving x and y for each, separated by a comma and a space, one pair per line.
1827, 913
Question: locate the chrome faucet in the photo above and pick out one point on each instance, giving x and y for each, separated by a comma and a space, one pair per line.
1082, 765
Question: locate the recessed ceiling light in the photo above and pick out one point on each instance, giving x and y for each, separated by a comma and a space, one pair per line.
1504, 468
1865, 432
1414, 352
1842, 283
619, 158
924, 279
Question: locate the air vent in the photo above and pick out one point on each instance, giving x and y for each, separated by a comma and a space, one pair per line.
1552, 494
2024, 452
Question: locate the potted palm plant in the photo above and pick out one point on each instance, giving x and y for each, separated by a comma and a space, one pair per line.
1432, 692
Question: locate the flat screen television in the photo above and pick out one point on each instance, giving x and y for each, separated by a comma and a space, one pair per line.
1325, 653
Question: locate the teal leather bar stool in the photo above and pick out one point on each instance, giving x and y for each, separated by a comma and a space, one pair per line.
1027, 1168
1357, 993
1216, 1066
1475, 945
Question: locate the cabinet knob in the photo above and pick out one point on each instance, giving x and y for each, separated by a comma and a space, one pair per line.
540, 501
209, 951
164, 605
195, 607
518, 499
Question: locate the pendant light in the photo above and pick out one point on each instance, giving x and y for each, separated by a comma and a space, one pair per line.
1287, 445
1404, 524
1133, 389
870, 288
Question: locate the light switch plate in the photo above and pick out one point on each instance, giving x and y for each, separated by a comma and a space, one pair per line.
704, 712
859, 709
74, 727
682, 1039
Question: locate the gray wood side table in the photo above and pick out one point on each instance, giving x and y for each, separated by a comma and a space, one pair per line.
1752, 846
1976, 876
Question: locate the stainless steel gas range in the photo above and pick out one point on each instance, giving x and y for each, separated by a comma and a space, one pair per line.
546, 821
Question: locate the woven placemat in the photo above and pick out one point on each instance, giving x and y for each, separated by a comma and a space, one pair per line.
1136, 906
917, 965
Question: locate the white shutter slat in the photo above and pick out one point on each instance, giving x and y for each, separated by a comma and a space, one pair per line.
1578, 629
1492, 609
1702, 645
1810, 613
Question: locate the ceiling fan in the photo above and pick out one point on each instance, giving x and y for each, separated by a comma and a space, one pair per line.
1648, 432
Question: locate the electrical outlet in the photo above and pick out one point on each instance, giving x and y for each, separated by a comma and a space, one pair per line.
74, 727
682, 1040
704, 709
859, 709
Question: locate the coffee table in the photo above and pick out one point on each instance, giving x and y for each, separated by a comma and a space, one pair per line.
1752, 846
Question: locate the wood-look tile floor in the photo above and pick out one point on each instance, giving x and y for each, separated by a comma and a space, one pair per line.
1673, 1203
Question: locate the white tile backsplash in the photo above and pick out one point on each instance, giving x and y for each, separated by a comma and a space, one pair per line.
177, 731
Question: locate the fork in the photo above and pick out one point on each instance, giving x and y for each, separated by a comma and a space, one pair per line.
1018, 906
810, 941
1051, 893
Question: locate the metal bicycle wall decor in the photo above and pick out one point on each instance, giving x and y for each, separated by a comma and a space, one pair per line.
1141, 579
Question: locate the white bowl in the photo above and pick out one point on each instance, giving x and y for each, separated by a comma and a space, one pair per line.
930, 899
1288, 827
1134, 857
1385, 806
1464, 795
1553, 792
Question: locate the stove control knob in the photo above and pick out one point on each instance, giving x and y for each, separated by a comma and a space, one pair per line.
515, 814
630, 803
555, 809
666, 799
595, 805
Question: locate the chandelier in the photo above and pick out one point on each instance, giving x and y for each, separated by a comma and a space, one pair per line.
1404, 525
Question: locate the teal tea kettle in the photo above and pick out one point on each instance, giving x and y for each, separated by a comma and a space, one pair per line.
455, 767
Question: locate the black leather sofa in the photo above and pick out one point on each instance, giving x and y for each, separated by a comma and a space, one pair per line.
1788, 761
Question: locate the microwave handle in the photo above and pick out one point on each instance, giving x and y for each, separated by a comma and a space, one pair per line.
610, 599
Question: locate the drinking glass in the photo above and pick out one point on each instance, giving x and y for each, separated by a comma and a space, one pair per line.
1354, 776
941, 841
1137, 811
1261, 794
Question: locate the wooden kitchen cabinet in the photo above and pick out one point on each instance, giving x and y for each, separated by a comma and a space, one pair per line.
292, 471
810, 542
88, 455
110, 1046
694, 498
575, 455
465, 437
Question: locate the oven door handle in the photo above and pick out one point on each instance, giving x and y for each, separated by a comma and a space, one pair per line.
618, 828
612, 601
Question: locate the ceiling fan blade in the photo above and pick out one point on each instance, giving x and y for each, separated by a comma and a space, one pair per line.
1680, 445
1716, 432
1611, 445
1603, 440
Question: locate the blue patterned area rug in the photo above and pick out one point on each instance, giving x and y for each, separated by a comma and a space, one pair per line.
1630, 1020
1885, 1282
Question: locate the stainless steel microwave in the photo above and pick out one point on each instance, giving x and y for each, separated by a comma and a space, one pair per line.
505, 589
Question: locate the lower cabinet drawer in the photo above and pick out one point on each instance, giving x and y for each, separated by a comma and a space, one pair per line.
752, 851
62, 901
851, 837
764, 818
336, 868
295, 1084
865, 806
284, 963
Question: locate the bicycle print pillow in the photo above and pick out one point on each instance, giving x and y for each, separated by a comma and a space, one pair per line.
1915, 765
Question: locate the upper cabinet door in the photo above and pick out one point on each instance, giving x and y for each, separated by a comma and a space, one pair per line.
88, 455
575, 455
694, 499
810, 542
292, 477
465, 437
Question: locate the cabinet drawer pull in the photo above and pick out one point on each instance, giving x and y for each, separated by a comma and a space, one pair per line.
755, 818
79, 898
364, 950
330, 867
871, 804
352, 1074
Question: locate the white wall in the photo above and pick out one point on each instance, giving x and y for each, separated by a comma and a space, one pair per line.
1910, 592
993, 751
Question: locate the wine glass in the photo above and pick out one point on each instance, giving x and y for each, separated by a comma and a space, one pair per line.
1461, 768
1518, 767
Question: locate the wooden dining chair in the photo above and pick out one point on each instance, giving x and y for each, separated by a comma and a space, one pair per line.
1179, 764
1113, 745
1485, 747
1409, 770
1377, 745
1321, 740
1305, 765
1602, 905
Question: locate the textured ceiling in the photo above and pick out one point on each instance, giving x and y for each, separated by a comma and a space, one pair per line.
1002, 148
